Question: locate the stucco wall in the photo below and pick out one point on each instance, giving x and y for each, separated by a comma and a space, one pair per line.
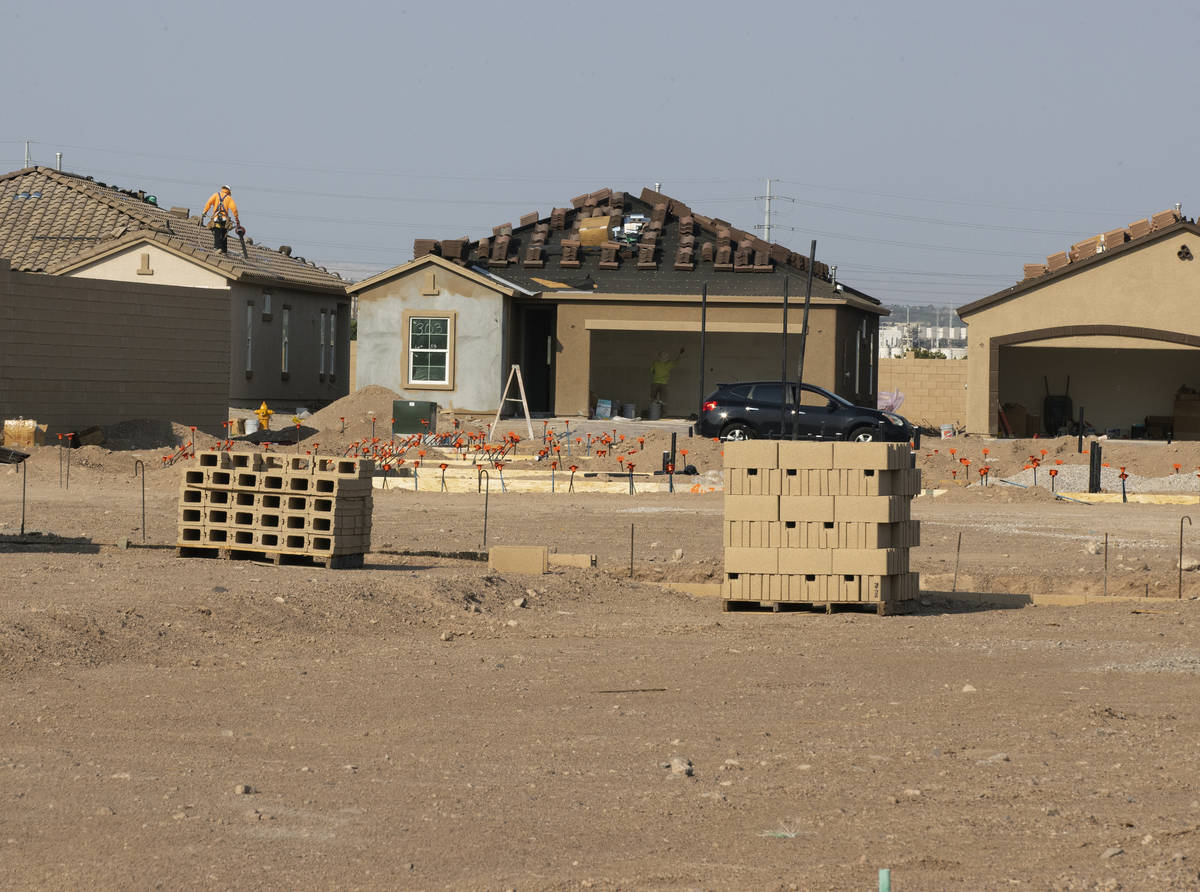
306, 384
478, 351
76, 352
166, 269
1144, 288
624, 334
935, 390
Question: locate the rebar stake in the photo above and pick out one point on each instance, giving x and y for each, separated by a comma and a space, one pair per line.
486, 492
23, 477
1106, 565
631, 551
957, 555
136, 464
1179, 596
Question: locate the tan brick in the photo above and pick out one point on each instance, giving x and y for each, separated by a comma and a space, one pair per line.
531, 559
752, 560
870, 561
805, 560
871, 509
752, 454
806, 508
752, 507
879, 456
807, 455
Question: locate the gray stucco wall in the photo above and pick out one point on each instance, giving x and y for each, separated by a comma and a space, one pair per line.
306, 383
478, 349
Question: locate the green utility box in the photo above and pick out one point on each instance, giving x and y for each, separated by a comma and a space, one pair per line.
414, 417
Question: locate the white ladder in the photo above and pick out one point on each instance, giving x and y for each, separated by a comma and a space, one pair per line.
515, 371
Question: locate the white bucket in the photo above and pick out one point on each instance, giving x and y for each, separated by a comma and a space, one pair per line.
251, 425
947, 431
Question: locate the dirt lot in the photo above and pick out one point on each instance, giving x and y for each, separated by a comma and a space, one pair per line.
408, 726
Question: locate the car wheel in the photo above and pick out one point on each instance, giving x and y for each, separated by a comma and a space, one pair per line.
738, 431
863, 435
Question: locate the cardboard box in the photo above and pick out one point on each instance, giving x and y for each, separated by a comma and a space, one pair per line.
20, 432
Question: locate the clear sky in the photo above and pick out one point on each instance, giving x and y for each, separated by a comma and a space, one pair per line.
931, 148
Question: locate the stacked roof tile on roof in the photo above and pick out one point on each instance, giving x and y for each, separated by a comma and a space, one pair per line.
617, 243
52, 221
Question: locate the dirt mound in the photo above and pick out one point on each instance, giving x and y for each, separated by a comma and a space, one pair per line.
997, 493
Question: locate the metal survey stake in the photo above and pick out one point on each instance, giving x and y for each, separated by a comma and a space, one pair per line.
486, 492
631, 551
142, 465
1179, 596
957, 555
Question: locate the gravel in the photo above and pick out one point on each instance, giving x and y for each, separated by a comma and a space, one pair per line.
1074, 478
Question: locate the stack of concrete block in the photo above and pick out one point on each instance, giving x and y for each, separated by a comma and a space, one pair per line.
820, 523
243, 504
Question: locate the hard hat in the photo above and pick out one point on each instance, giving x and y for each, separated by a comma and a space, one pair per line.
227, 189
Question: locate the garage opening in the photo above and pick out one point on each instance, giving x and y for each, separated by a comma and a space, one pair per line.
1127, 387
620, 364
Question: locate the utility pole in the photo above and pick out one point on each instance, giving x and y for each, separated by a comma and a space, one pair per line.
765, 226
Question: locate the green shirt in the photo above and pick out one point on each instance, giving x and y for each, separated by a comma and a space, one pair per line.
660, 370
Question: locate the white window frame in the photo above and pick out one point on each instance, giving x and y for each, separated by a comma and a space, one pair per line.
447, 382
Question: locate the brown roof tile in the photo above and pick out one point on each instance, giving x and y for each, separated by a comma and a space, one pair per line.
51, 221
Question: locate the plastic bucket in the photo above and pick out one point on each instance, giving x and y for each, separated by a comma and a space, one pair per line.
629, 410
947, 431
654, 413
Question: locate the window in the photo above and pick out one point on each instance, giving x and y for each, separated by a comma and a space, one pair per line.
285, 321
429, 340
332, 343
266, 302
249, 337
321, 350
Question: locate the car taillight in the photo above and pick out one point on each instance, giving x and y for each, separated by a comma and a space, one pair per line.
708, 406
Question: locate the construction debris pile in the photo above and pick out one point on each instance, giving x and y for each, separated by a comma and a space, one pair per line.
278, 507
819, 523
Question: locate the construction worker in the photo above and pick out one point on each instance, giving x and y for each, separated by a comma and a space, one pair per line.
224, 217
660, 375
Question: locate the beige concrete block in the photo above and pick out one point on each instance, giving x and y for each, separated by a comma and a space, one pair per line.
583, 561
752, 454
806, 561
752, 507
879, 456
806, 508
870, 561
804, 454
871, 509
752, 481
752, 560
531, 559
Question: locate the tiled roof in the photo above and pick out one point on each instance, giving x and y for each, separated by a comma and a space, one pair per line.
1087, 254
52, 221
675, 252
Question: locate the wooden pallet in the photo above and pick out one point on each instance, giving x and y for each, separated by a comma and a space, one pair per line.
882, 608
304, 559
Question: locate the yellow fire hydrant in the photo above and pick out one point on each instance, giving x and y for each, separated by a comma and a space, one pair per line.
264, 416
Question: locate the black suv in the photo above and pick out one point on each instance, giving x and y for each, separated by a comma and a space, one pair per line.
751, 410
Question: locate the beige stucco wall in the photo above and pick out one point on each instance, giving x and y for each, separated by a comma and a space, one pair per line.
168, 269
1148, 287
626, 331
478, 345
935, 390
131, 351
